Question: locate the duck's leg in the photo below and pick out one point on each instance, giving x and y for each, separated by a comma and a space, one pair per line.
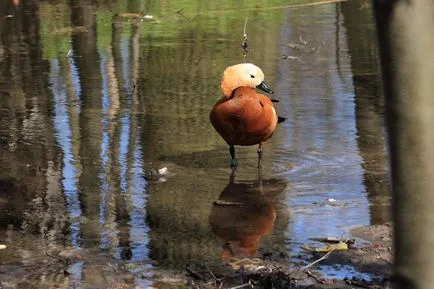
232, 176
234, 162
260, 188
260, 156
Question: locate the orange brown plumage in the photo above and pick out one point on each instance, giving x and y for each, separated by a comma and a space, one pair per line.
243, 116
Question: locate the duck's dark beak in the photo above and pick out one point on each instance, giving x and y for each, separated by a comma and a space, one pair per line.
262, 86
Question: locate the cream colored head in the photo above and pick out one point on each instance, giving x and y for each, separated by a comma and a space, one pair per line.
244, 74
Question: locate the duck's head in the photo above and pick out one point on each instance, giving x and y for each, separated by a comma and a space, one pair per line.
244, 74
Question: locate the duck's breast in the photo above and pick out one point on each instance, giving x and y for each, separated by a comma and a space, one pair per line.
247, 118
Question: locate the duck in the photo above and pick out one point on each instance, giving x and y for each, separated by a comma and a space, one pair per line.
242, 116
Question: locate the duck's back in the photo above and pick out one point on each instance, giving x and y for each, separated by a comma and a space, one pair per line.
246, 118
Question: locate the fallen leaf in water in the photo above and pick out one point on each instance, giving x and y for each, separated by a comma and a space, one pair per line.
333, 240
326, 248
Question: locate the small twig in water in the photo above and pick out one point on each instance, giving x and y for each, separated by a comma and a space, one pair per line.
316, 261
194, 285
65, 261
290, 57
382, 257
214, 282
181, 13
301, 40
68, 56
244, 44
243, 285
228, 203
193, 273
319, 280
215, 278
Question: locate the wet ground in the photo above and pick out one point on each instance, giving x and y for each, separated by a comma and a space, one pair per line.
110, 172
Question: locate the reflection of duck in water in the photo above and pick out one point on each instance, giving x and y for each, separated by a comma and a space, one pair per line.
244, 213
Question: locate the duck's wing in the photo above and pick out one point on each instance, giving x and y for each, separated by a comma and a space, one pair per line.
279, 118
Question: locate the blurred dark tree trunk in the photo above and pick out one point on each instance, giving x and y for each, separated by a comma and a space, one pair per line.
86, 57
26, 120
406, 47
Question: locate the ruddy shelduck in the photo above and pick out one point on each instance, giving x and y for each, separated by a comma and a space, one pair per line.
242, 116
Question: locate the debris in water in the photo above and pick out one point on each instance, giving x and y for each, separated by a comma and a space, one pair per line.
244, 44
326, 248
334, 240
163, 171
331, 244
290, 57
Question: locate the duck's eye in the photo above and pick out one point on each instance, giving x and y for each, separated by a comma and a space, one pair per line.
252, 76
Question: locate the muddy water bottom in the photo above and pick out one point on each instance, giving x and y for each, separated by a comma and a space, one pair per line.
33, 265
29, 263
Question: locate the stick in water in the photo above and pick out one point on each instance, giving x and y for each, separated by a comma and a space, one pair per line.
244, 44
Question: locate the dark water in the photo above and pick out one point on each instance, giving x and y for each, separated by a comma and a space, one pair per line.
108, 159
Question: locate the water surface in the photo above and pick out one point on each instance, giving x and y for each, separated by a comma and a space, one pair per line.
108, 159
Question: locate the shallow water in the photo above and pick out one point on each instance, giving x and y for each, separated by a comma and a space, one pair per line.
108, 158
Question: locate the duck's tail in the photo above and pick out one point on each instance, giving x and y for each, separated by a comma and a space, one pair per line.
280, 119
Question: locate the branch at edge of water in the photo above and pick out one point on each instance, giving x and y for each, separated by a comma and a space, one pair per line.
271, 8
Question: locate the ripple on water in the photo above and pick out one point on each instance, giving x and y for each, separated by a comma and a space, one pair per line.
327, 195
